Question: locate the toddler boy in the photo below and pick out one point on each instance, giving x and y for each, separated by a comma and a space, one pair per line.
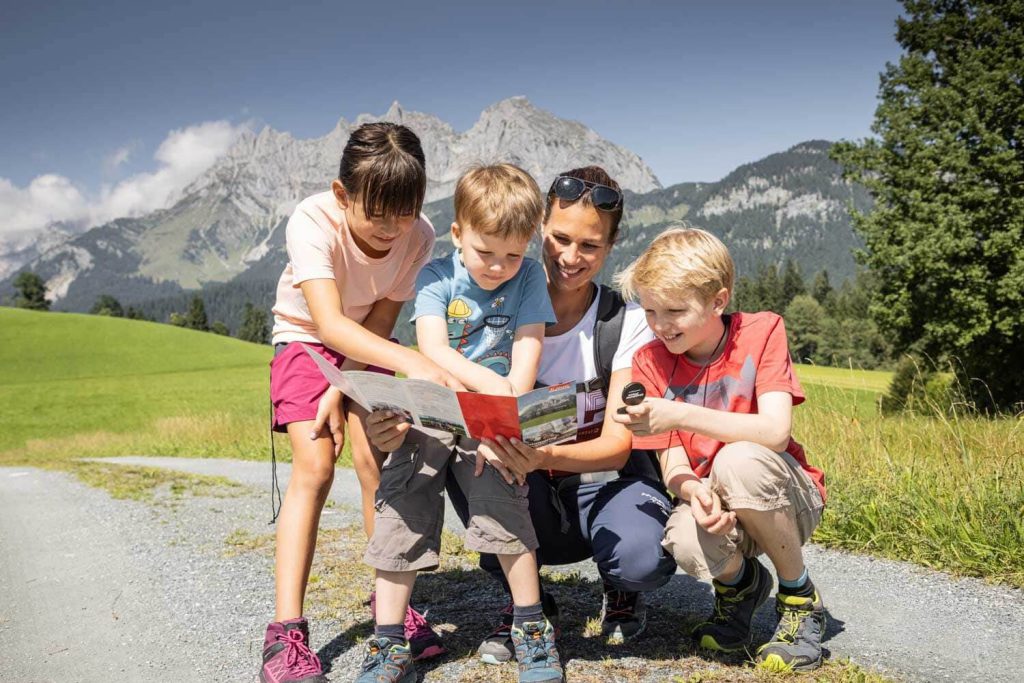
480, 313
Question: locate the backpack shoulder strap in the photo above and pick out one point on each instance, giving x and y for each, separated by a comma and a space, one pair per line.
611, 308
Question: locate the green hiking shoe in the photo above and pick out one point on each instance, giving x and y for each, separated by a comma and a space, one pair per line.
728, 627
796, 645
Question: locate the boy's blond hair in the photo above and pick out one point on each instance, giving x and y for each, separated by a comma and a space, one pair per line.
501, 200
681, 261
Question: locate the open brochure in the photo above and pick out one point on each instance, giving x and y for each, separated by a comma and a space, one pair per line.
543, 416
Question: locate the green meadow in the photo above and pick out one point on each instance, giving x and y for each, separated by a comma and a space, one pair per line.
943, 490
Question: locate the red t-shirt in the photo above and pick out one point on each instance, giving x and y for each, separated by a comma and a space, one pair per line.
755, 361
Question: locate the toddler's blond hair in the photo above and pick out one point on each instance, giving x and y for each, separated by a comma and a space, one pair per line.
501, 200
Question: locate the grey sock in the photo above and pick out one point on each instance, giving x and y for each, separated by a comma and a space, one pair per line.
520, 615
394, 632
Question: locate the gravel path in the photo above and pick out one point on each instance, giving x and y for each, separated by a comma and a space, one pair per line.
97, 589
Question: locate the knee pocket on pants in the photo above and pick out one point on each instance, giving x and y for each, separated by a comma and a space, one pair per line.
395, 475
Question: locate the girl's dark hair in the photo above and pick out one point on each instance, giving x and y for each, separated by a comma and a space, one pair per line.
383, 164
597, 175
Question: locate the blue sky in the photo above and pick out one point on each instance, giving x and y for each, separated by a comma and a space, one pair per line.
90, 93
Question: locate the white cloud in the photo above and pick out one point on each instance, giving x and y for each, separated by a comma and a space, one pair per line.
181, 158
47, 199
118, 157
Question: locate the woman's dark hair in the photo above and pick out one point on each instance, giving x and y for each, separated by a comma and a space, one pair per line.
597, 175
383, 165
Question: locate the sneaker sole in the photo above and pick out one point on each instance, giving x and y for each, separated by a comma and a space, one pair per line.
495, 659
709, 643
617, 637
776, 664
264, 679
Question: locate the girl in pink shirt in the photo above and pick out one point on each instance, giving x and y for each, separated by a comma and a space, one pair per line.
353, 256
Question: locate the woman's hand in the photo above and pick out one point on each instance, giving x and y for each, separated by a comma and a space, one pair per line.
485, 454
329, 414
386, 430
518, 457
707, 510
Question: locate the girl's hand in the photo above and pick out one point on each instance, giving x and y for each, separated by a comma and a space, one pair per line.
386, 430
653, 416
707, 510
485, 453
520, 458
329, 414
426, 369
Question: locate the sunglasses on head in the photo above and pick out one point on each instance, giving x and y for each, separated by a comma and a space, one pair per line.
601, 196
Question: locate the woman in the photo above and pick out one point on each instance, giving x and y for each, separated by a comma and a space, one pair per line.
593, 498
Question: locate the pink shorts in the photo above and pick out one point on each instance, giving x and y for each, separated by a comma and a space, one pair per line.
296, 383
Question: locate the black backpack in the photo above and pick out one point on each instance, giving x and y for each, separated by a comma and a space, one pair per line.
611, 309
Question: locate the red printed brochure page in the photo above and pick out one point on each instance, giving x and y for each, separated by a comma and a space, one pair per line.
489, 416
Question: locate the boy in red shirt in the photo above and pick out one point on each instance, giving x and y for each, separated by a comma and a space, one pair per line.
720, 394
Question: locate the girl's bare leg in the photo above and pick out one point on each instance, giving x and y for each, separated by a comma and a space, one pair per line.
312, 476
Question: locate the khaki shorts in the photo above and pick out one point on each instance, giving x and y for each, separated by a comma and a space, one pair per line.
410, 505
745, 476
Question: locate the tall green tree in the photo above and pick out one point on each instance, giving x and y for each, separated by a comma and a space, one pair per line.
107, 305
793, 284
196, 316
946, 169
822, 290
769, 289
804, 317
31, 292
254, 325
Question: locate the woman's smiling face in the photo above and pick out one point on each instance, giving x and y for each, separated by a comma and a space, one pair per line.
576, 244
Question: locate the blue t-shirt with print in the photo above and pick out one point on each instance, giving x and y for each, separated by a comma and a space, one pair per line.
482, 323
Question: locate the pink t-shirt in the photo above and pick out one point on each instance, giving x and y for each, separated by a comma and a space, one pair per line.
320, 246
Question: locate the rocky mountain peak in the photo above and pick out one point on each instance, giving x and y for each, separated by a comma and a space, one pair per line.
225, 219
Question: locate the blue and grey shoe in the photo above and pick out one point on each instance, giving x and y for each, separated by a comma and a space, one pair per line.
387, 661
728, 627
796, 645
536, 652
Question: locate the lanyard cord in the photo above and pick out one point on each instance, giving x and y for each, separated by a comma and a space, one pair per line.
699, 377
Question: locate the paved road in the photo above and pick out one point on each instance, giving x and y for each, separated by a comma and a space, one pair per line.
92, 589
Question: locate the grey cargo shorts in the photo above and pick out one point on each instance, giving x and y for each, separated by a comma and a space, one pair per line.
410, 505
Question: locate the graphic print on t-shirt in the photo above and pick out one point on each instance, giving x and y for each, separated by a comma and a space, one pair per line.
459, 313
494, 328
719, 394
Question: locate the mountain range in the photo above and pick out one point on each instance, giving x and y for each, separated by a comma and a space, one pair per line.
225, 234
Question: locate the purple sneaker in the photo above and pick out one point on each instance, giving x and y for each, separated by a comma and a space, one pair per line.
286, 654
424, 643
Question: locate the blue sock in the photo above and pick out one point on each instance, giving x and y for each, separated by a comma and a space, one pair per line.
801, 587
740, 575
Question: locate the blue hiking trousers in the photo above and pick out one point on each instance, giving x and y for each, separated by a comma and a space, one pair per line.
619, 523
